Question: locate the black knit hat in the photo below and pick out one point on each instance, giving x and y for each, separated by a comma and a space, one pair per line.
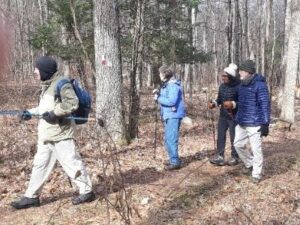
47, 67
248, 66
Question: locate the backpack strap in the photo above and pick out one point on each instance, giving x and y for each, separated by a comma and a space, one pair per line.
59, 86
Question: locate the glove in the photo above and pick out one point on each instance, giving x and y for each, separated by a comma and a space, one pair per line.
50, 117
228, 105
264, 130
25, 115
156, 94
211, 105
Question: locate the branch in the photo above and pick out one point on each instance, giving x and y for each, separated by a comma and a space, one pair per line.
78, 36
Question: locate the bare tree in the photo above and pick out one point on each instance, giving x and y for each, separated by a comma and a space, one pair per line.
134, 104
89, 80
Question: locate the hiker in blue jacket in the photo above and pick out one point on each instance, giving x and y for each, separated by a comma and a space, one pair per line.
227, 101
253, 118
172, 111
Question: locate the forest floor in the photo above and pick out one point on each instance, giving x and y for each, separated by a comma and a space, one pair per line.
199, 193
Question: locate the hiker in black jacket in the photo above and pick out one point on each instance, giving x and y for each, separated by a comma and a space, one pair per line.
227, 101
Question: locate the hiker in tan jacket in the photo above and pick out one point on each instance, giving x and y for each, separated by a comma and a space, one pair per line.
55, 137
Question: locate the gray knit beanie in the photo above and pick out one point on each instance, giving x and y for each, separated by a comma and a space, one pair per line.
248, 66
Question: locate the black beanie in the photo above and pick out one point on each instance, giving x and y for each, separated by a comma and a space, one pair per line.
47, 67
248, 66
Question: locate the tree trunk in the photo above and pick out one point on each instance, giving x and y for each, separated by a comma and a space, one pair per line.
88, 80
149, 75
236, 33
246, 30
171, 28
288, 103
64, 41
157, 61
271, 81
109, 102
41, 13
287, 21
263, 38
229, 32
134, 104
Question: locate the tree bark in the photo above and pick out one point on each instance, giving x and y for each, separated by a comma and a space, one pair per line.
271, 81
229, 32
246, 30
109, 102
236, 33
288, 103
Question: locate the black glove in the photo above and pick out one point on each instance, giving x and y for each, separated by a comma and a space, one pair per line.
264, 130
50, 117
25, 115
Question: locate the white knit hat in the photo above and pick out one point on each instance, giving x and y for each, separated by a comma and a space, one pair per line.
231, 69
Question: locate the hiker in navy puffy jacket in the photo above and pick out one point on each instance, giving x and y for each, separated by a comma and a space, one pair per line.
253, 118
172, 111
227, 100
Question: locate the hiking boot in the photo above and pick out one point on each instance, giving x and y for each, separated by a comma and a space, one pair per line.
89, 197
25, 203
233, 161
247, 171
172, 167
218, 160
255, 180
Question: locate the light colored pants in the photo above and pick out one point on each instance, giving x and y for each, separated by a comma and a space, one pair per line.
254, 159
70, 160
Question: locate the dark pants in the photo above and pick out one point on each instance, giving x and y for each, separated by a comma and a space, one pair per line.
223, 125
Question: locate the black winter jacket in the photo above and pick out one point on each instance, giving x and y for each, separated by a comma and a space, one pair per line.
228, 92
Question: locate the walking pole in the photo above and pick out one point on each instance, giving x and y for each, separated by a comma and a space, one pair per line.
210, 116
155, 129
213, 129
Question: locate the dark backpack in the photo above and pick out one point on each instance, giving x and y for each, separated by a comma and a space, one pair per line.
82, 113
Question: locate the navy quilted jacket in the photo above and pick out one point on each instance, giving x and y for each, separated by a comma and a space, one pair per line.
228, 92
254, 103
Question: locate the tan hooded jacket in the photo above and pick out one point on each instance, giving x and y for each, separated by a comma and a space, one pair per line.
64, 128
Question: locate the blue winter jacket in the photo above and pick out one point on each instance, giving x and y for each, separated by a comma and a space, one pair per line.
254, 103
171, 100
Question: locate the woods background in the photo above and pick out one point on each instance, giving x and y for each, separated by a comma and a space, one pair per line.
126, 42
115, 48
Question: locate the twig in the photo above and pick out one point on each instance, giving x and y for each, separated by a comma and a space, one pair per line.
58, 208
185, 177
